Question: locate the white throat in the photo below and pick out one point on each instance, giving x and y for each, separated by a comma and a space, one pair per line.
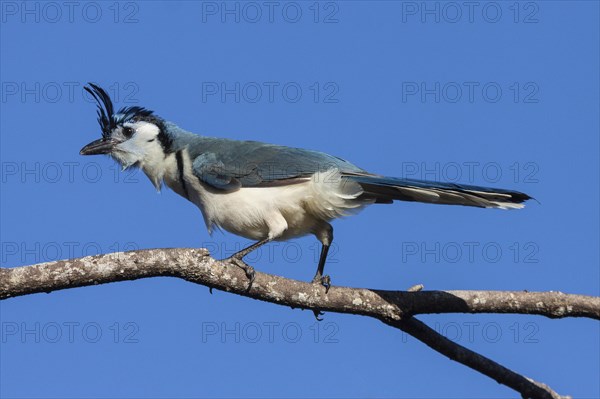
145, 150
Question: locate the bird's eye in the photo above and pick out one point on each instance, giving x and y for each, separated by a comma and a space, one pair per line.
128, 131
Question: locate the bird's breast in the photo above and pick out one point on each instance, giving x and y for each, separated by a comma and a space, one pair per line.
278, 212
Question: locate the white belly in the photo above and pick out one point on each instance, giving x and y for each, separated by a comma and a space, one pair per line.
280, 212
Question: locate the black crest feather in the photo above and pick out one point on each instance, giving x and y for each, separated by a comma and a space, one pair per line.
105, 108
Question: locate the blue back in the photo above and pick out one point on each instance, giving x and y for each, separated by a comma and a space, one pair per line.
229, 164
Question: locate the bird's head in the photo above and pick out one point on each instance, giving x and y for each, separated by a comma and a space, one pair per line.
132, 135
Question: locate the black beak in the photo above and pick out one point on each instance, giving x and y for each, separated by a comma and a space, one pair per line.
101, 146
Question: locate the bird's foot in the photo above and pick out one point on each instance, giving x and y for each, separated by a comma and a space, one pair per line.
249, 270
325, 281
318, 313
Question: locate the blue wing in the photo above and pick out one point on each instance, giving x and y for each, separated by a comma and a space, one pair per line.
230, 164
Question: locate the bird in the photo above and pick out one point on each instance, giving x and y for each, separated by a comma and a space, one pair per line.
261, 191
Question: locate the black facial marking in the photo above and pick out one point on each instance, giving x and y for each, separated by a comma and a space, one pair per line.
180, 169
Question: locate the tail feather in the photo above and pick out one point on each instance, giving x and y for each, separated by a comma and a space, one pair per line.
387, 189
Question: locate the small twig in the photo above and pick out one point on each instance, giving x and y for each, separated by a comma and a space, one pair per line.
528, 388
416, 288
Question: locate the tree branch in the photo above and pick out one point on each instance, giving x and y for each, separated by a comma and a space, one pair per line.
196, 265
394, 308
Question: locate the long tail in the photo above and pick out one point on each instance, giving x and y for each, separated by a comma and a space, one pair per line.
387, 189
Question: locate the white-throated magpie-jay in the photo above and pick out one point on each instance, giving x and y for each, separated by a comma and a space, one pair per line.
263, 191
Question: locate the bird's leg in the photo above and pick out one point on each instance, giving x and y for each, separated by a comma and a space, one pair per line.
237, 259
240, 254
319, 277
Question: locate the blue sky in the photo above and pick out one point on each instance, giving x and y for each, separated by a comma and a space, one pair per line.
497, 94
